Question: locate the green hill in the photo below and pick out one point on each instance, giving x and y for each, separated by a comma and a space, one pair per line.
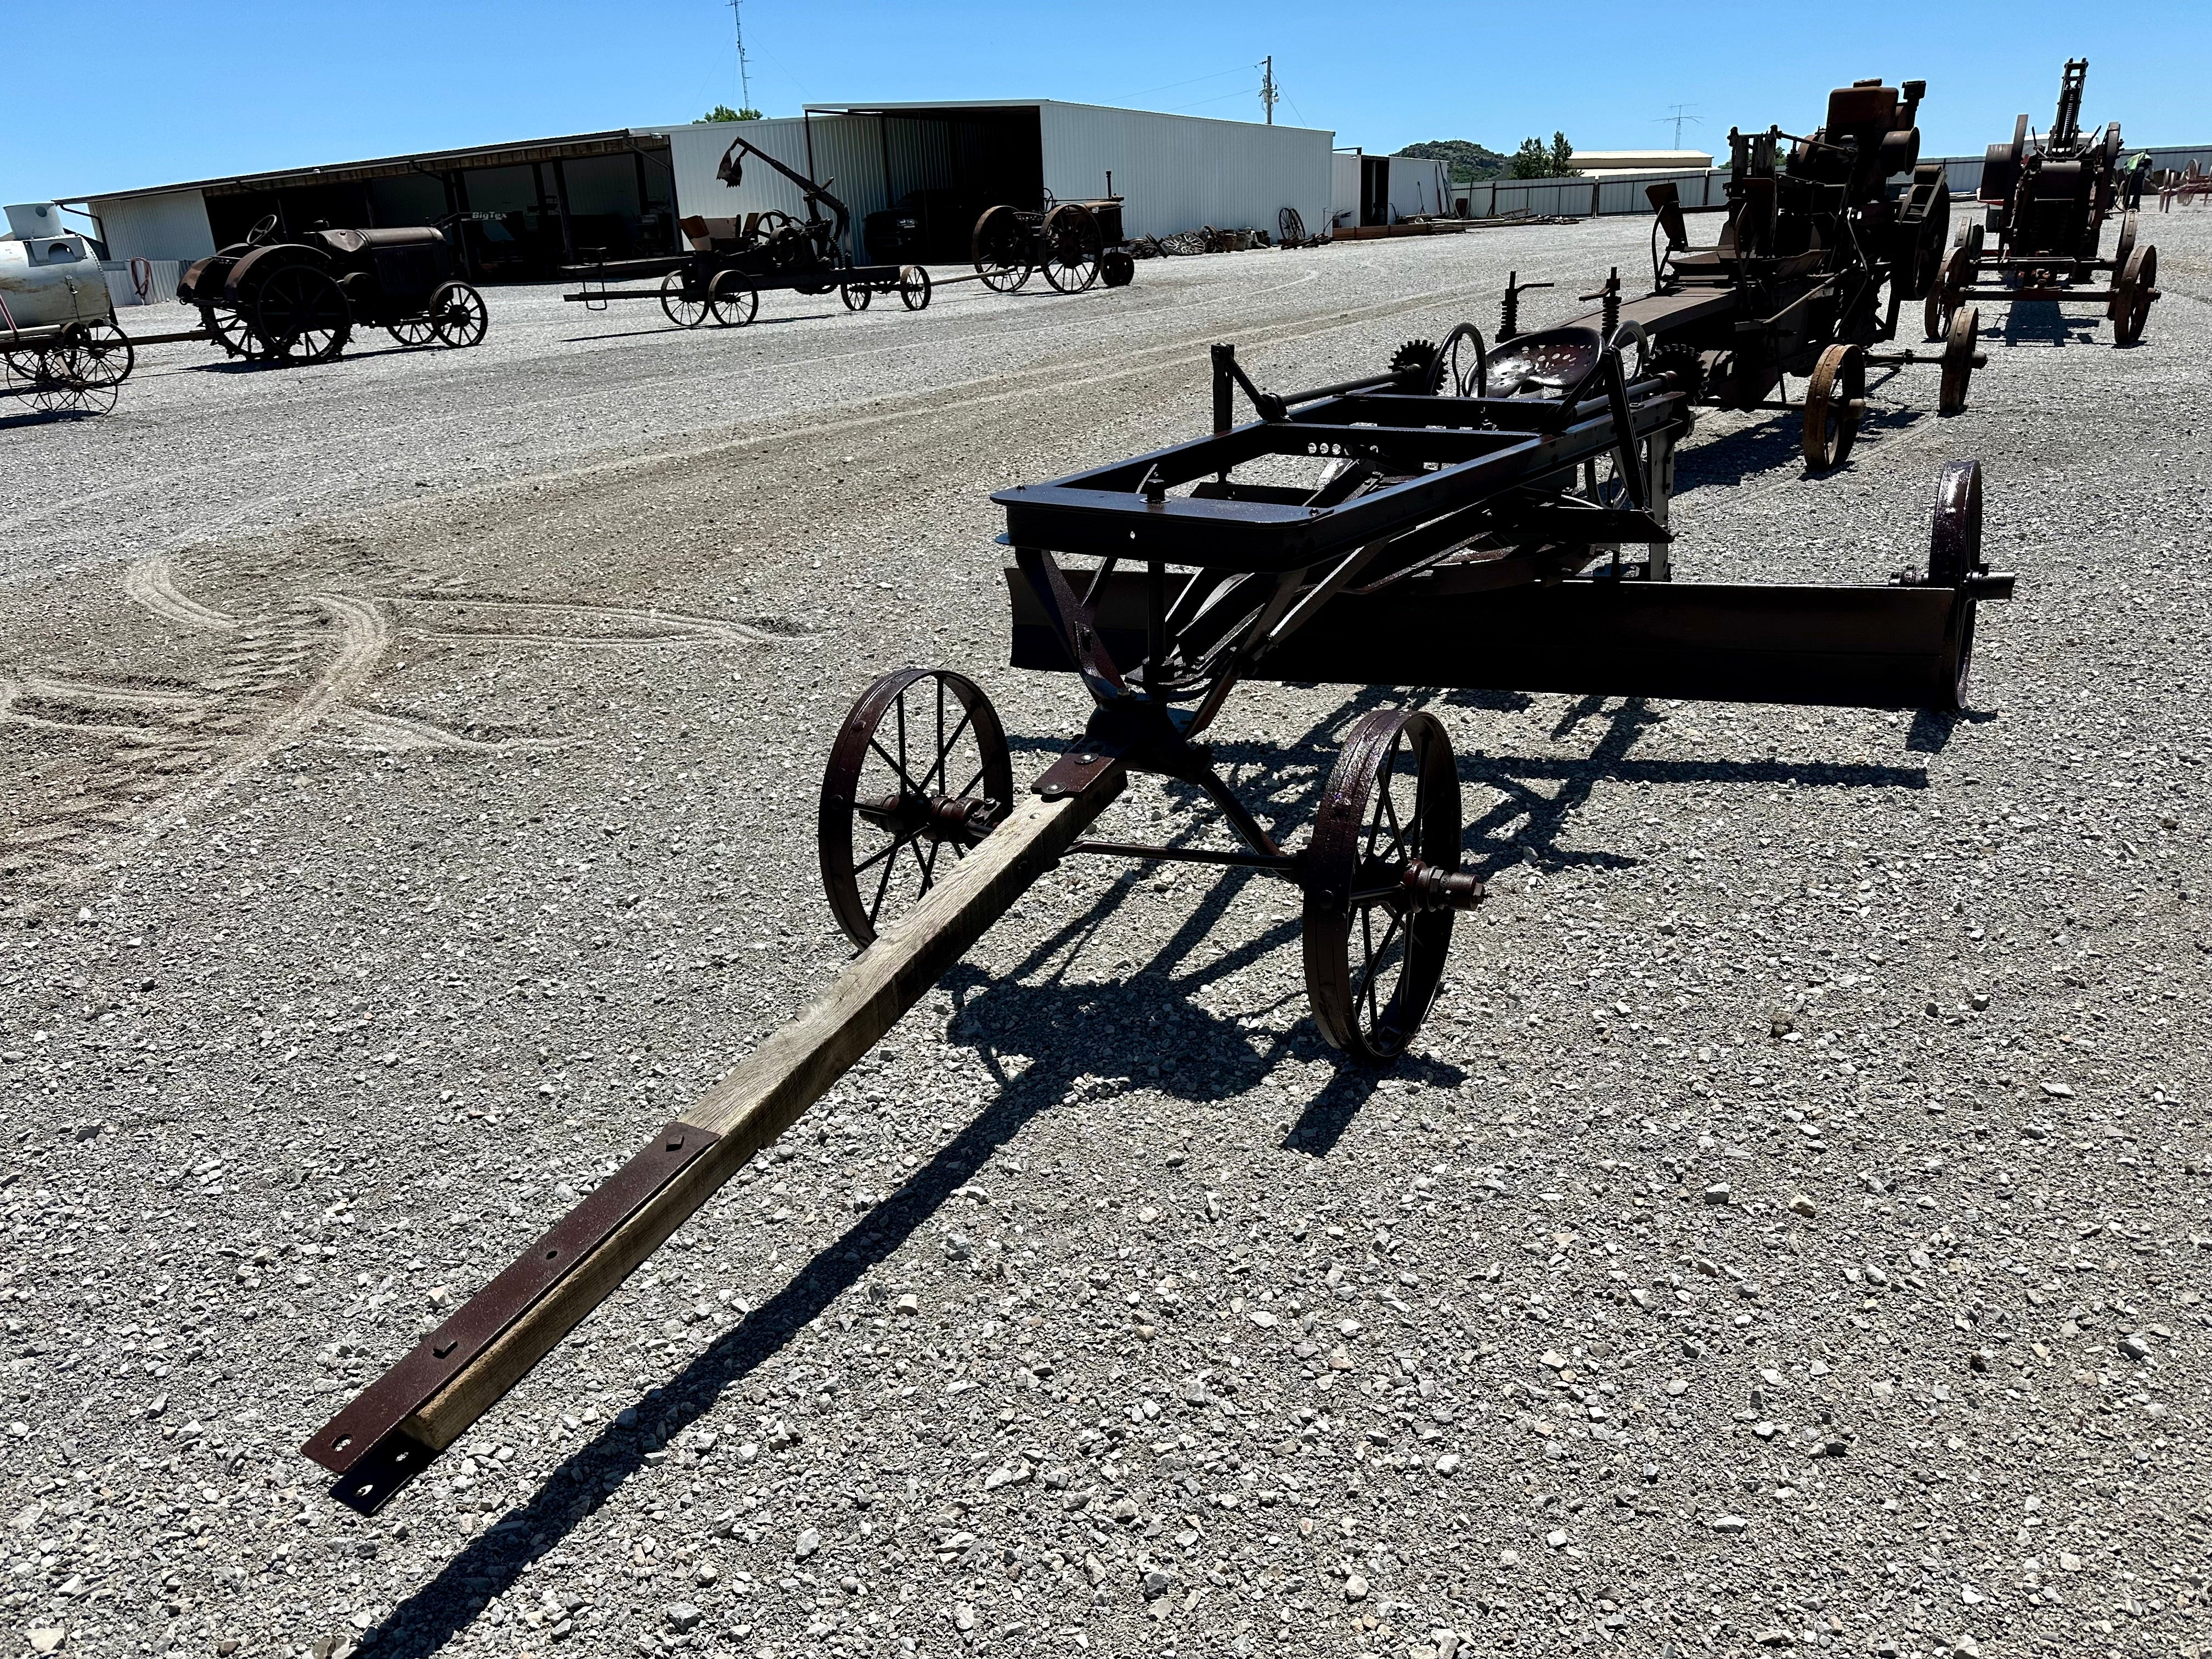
1467, 160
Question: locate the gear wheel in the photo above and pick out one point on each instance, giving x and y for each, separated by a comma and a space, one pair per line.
1415, 354
1684, 362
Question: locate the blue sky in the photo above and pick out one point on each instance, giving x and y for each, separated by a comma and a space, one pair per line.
226, 86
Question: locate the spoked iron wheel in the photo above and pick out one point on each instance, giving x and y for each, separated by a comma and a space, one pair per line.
733, 299
301, 316
2137, 289
61, 381
1944, 294
105, 356
1001, 248
1073, 245
457, 312
856, 295
413, 331
684, 308
2127, 242
919, 774
914, 286
229, 329
1954, 553
1382, 884
1958, 359
1835, 402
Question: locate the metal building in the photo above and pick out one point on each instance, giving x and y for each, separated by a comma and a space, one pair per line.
527, 208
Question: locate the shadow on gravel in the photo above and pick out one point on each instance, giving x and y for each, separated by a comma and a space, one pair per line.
1775, 444
2045, 322
677, 328
1931, 732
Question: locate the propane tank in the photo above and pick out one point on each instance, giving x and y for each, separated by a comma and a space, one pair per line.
49, 276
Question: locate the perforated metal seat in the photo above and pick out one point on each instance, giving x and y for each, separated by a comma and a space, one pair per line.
1543, 364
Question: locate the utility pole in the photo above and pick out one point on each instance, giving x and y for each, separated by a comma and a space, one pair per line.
744, 69
1268, 93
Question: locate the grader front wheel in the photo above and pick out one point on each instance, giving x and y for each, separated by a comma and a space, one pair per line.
1835, 403
919, 774
1382, 884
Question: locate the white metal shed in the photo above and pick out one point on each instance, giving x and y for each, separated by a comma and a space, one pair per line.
1174, 172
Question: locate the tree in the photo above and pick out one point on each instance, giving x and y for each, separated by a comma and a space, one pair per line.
1563, 156
723, 113
1531, 161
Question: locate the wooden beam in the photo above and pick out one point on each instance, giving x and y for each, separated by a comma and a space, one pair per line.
762, 1096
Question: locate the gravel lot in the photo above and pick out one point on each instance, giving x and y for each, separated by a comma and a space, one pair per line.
1790, 1233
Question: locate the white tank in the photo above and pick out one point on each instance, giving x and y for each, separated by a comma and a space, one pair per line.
48, 275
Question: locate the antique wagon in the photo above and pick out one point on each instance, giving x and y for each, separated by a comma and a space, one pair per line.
299, 301
57, 335
2047, 202
733, 262
1460, 519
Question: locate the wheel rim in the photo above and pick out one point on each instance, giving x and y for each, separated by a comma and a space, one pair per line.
105, 355
460, 315
856, 297
678, 305
1001, 248
913, 288
1959, 359
413, 331
918, 774
1073, 245
1389, 822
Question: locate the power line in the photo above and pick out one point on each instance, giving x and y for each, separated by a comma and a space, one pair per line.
1240, 69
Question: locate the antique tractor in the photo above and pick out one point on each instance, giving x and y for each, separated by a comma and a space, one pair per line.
1074, 244
299, 301
1817, 252
2047, 202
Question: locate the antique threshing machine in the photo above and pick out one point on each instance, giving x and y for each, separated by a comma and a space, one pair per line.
1818, 248
2047, 202
299, 302
733, 262
1074, 244
58, 332
1455, 521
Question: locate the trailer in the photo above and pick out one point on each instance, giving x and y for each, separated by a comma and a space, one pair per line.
1396, 529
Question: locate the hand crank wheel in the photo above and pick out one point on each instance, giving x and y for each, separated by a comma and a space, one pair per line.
920, 767
1383, 882
1834, 403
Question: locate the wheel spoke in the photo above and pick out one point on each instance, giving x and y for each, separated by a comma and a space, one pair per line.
911, 787
944, 745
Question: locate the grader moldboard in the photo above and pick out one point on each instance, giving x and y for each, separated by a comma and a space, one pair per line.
299, 302
733, 262
1466, 530
2047, 200
1817, 254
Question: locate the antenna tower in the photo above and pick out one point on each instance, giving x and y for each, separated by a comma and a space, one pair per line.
745, 69
1681, 115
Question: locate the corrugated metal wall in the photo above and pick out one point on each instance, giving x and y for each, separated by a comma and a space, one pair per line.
848, 159
1344, 191
1180, 172
1420, 186
169, 225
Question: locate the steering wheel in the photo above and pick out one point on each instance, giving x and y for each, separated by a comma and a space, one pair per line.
263, 228
1632, 333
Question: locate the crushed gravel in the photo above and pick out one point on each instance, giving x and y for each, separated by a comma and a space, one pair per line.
1790, 1233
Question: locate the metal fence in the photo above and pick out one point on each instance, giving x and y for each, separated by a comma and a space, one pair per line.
1580, 198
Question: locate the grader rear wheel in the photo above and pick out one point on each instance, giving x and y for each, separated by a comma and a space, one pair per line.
919, 766
1835, 402
1954, 553
1382, 884
1074, 246
1958, 352
1943, 295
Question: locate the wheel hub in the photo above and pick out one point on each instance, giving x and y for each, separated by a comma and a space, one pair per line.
939, 817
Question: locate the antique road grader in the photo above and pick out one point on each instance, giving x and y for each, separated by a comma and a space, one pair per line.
1457, 536
733, 262
57, 333
1815, 256
2047, 200
299, 301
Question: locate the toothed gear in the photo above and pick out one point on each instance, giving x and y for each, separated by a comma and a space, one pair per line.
1414, 354
1684, 362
